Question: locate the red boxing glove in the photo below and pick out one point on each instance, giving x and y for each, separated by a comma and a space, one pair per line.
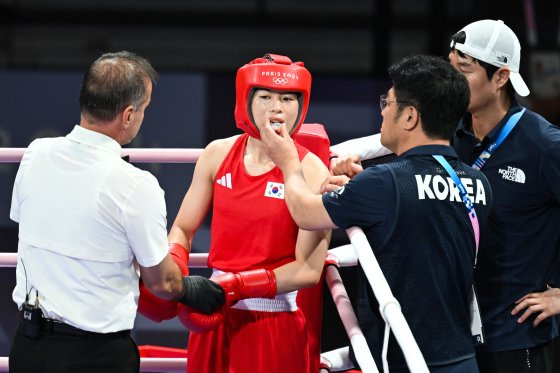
197, 321
257, 283
155, 308
180, 256
158, 309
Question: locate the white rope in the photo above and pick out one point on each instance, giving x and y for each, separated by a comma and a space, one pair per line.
346, 312
388, 304
147, 364
152, 155
196, 260
168, 365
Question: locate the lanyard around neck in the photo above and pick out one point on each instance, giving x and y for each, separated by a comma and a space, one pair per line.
506, 129
464, 197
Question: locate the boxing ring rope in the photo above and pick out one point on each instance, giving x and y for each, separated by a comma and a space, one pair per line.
348, 317
153, 155
389, 306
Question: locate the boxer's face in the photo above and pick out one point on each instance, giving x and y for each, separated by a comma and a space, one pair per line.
270, 107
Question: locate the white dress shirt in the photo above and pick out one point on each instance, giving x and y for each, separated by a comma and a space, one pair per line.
85, 218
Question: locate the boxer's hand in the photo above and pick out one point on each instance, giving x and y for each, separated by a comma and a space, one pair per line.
333, 183
348, 165
258, 283
279, 146
202, 294
197, 321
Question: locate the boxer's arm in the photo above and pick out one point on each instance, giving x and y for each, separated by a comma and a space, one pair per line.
304, 271
199, 196
311, 246
306, 207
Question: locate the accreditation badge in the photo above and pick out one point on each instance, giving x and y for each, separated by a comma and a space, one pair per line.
476, 321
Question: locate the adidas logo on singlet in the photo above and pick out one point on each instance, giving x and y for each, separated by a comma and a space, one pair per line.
225, 180
513, 174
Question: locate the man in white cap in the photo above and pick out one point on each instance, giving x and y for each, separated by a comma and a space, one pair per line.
519, 152
517, 275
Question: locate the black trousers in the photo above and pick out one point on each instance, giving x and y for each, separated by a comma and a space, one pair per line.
556, 363
66, 351
538, 359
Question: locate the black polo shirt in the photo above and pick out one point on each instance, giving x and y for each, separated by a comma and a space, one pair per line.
517, 255
423, 239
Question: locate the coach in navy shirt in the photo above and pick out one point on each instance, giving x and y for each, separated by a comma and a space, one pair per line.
411, 212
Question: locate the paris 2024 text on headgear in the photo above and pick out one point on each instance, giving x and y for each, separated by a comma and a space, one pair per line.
276, 73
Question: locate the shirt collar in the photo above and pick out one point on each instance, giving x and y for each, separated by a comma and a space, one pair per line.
465, 122
445, 150
94, 139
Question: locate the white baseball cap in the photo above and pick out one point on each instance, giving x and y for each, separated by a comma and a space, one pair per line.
494, 43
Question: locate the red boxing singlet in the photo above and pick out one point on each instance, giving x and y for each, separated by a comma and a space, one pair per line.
251, 225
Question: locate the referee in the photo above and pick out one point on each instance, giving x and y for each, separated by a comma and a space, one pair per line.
89, 224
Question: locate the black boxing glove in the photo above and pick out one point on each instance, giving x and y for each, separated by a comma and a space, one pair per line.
202, 294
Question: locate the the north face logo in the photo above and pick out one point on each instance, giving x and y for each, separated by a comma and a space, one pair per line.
502, 59
513, 174
225, 180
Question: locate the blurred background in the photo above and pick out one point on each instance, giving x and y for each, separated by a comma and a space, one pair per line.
197, 46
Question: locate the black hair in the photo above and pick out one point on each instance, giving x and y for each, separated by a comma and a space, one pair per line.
435, 88
460, 37
113, 82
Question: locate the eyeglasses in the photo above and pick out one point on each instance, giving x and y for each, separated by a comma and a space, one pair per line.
384, 102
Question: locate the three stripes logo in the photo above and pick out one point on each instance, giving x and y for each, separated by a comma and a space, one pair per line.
225, 180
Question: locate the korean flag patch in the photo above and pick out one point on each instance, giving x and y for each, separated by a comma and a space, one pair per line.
274, 190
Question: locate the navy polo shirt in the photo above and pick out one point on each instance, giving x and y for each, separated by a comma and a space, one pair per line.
518, 254
424, 243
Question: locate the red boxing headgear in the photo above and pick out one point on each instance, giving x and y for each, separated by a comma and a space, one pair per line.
276, 73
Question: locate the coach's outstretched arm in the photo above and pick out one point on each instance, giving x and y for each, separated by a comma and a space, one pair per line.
306, 208
346, 157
